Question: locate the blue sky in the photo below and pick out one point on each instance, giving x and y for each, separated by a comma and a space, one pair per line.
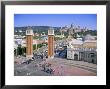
56, 20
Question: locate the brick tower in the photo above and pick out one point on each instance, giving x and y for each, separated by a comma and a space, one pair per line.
29, 43
51, 43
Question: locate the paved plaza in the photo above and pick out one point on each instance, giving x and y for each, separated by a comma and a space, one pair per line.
60, 67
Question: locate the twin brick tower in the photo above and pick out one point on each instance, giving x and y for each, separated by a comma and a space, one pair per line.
51, 43
29, 43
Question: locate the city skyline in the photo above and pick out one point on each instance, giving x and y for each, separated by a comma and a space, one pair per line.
56, 20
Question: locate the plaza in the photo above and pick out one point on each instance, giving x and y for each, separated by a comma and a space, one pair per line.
61, 67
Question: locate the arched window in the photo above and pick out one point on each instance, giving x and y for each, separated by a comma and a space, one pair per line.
75, 56
92, 55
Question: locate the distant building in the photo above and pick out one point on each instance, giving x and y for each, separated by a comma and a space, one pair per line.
77, 29
82, 50
60, 36
73, 29
36, 34
44, 38
89, 37
22, 42
85, 29
43, 34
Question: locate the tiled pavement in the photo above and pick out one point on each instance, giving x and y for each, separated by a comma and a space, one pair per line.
69, 67
81, 64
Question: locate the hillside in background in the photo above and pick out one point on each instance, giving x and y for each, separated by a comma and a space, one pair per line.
40, 29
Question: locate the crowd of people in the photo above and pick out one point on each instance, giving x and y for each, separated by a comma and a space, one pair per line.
46, 67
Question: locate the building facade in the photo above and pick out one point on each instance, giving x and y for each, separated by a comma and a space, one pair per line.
82, 50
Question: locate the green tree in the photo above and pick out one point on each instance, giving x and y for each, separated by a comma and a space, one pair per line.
34, 46
19, 50
24, 50
39, 45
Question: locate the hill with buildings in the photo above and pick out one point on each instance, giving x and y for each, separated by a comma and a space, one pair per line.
66, 30
36, 29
